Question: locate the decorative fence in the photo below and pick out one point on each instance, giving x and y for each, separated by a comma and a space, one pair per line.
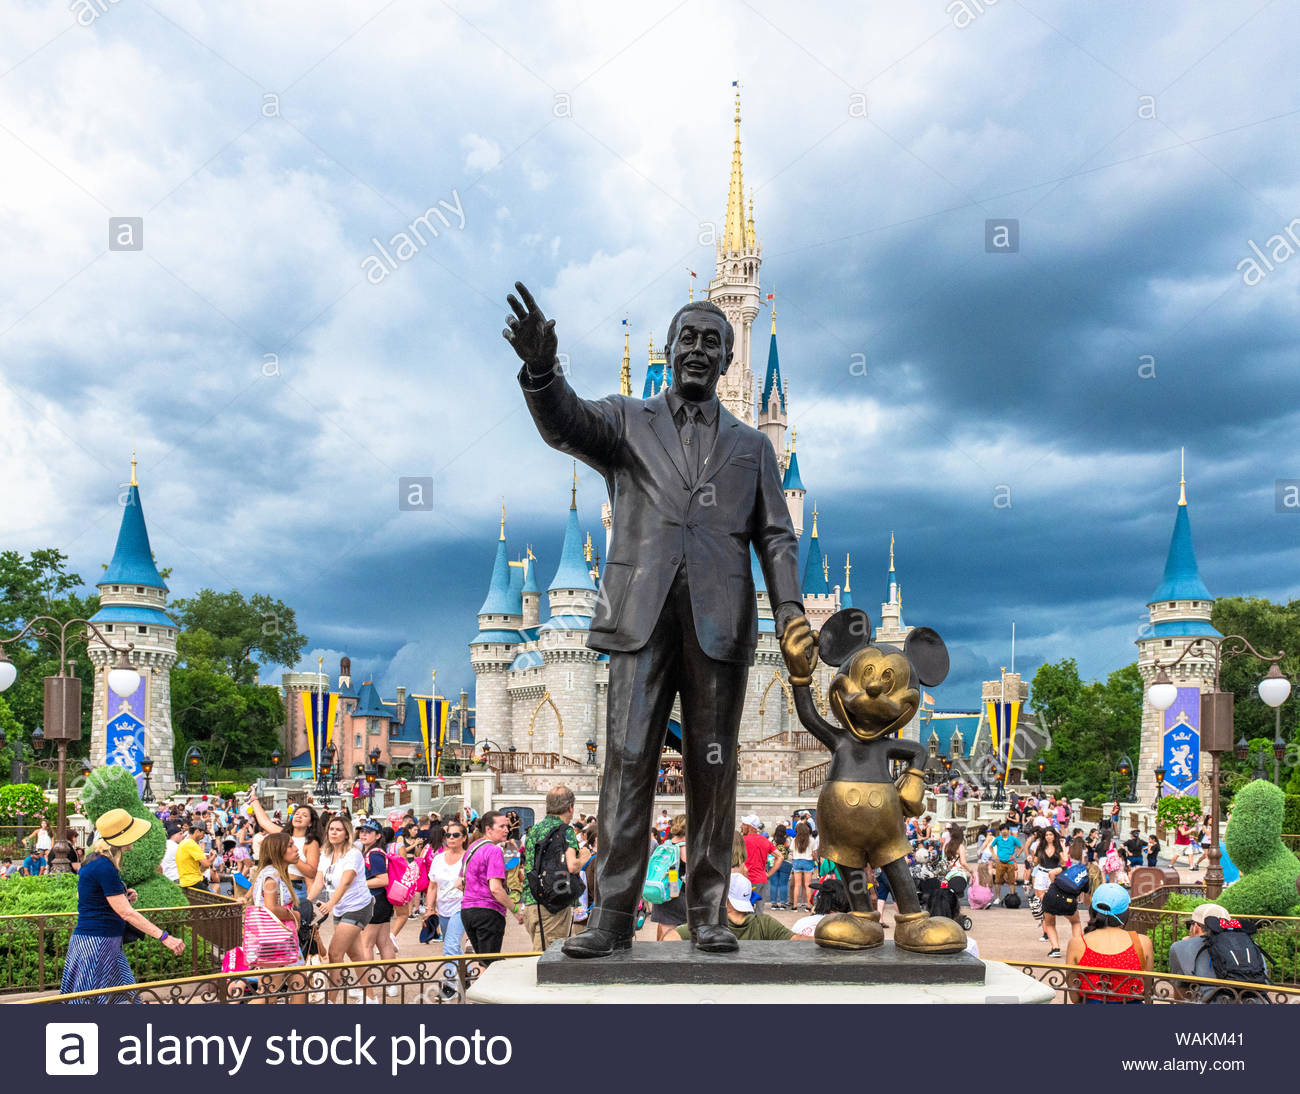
33, 948
812, 777
515, 763
1157, 987
434, 980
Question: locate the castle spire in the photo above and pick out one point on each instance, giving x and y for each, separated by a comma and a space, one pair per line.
503, 518
625, 373
1182, 476
133, 478
573, 497
733, 236
816, 580
132, 562
1182, 577
573, 571
846, 594
750, 238
772, 297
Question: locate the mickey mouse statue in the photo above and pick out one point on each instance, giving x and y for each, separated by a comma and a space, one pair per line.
861, 807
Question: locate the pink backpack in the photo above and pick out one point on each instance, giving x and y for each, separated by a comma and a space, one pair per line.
403, 878
424, 860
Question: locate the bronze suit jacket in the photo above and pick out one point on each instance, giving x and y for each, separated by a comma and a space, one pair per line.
661, 519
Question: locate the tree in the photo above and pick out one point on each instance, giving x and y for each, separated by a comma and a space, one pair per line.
225, 629
41, 584
1269, 628
1092, 725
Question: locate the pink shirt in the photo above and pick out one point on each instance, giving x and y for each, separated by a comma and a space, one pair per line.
485, 862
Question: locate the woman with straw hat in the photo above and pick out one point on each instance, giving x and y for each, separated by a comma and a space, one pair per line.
104, 910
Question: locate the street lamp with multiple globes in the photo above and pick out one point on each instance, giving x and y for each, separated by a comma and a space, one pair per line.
62, 709
1216, 722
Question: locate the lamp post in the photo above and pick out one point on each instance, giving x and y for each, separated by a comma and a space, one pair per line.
1216, 722
591, 752
1128, 773
275, 766
1279, 750
1042, 765
1160, 782
195, 766
146, 766
371, 775
62, 707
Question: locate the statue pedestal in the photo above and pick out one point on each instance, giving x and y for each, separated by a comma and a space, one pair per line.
762, 972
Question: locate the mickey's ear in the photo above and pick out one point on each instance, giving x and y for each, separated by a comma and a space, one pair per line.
844, 633
929, 656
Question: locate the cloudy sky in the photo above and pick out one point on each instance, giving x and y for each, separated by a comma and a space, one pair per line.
1020, 416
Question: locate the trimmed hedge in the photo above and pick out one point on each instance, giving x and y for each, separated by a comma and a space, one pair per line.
1291, 814
1269, 870
1281, 947
114, 787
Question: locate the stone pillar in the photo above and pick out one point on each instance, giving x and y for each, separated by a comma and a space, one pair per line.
477, 788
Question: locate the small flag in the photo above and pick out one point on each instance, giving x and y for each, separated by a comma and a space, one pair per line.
690, 271
771, 296
927, 698
735, 83
625, 321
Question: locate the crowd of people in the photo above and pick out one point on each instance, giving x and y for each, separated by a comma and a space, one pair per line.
331, 886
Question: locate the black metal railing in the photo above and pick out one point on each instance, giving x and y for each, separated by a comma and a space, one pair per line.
400, 980
1071, 982
34, 947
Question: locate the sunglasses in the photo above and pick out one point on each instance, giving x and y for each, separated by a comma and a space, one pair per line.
453, 835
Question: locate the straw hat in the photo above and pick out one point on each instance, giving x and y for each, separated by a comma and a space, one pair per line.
118, 828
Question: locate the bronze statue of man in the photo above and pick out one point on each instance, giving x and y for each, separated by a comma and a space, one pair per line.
692, 489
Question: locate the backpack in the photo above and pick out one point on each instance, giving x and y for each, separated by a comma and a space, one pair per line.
1072, 880
403, 876
549, 881
945, 902
1012, 901
1234, 955
662, 873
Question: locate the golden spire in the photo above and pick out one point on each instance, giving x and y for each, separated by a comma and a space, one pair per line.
133, 481
1182, 476
625, 373
848, 569
774, 310
573, 498
750, 239
814, 531
503, 518
733, 235
826, 569
891, 552
586, 548
794, 436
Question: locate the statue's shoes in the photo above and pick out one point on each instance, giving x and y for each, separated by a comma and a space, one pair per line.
849, 931
595, 943
920, 932
714, 938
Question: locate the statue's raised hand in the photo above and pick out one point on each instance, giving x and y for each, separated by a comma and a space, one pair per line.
530, 332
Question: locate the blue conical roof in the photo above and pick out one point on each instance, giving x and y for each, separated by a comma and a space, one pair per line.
516, 590
132, 558
498, 598
530, 582
369, 705
792, 481
657, 377
574, 572
1182, 579
760, 583
772, 382
814, 579
846, 599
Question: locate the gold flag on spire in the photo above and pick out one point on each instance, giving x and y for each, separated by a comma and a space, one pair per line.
625, 373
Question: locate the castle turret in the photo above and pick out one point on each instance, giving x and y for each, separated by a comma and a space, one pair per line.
735, 288
1179, 612
891, 628
572, 592
771, 399
493, 648
133, 601
793, 487
532, 592
846, 595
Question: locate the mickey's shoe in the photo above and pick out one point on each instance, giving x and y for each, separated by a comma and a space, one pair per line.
921, 932
714, 938
595, 943
850, 931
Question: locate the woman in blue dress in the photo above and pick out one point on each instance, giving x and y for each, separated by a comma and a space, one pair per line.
105, 909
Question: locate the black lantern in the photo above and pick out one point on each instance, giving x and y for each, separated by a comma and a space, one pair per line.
375, 754
1160, 782
194, 767
591, 752
371, 775
146, 768
38, 738
1279, 749
85, 769
1243, 747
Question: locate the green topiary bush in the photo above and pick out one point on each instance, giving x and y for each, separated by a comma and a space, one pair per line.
1267, 885
114, 787
1291, 814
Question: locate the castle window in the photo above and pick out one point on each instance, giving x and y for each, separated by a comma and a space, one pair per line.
139, 590
108, 627
142, 630
357, 741
1168, 642
1196, 603
117, 588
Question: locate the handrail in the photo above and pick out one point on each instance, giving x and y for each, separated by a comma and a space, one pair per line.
812, 777
226, 977
218, 898
1059, 977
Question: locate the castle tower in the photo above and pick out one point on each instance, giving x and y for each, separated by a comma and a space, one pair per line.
771, 400
532, 591
819, 601
345, 673
133, 601
493, 648
793, 486
734, 287
891, 628
846, 594
572, 592
1179, 612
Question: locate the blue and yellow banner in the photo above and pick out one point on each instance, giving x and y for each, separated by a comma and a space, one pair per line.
1003, 719
433, 731
319, 709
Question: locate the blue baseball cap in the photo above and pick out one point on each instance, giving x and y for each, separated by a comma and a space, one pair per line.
1110, 899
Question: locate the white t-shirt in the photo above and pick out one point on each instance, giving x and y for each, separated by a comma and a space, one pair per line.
169, 861
299, 842
795, 855
44, 840
358, 895
444, 875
